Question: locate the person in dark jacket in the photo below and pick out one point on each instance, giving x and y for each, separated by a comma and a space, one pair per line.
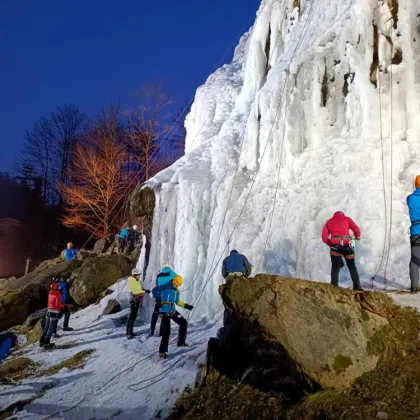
336, 234
65, 289
55, 306
70, 253
166, 275
236, 264
133, 239
169, 297
413, 203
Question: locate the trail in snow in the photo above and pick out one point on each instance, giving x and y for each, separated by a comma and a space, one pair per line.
122, 379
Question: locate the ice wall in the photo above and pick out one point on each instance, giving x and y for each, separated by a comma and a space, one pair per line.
318, 112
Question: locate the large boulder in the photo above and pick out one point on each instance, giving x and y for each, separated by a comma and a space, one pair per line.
327, 352
101, 245
96, 275
321, 329
28, 294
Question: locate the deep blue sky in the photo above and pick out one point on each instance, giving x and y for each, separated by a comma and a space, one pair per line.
93, 52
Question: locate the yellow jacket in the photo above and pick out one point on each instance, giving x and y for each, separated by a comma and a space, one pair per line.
134, 286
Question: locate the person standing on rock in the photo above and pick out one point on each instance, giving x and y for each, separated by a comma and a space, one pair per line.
168, 297
136, 300
336, 234
122, 239
65, 288
132, 239
236, 264
166, 275
55, 306
413, 203
70, 253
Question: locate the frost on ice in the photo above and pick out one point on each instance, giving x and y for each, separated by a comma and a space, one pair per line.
313, 91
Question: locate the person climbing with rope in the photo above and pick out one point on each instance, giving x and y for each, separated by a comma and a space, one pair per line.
168, 297
413, 203
166, 275
237, 265
136, 300
336, 234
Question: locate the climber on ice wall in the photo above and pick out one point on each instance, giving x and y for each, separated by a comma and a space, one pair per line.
136, 300
413, 203
336, 234
166, 275
168, 297
236, 264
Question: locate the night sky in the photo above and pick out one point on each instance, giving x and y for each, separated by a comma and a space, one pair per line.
94, 52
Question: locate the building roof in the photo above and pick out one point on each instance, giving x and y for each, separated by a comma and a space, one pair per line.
10, 220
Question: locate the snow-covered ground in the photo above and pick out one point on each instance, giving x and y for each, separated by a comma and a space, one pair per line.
122, 379
291, 131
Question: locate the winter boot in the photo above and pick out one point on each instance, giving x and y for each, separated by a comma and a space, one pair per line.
151, 333
48, 346
182, 344
55, 335
68, 329
414, 290
130, 336
163, 356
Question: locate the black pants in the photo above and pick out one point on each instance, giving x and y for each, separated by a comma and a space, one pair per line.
166, 330
415, 261
155, 317
132, 318
66, 313
121, 244
50, 326
336, 264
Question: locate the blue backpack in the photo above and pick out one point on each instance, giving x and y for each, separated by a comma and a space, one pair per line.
168, 301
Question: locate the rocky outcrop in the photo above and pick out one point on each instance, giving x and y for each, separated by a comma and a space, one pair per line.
112, 307
26, 295
96, 275
101, 245
320, 328
325, 353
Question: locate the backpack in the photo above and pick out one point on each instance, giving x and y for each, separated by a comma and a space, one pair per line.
168, 301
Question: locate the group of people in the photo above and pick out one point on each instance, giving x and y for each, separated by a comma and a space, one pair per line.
167, 297
57, 308
128, 238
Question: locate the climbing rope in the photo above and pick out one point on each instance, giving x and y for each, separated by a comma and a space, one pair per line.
301, 38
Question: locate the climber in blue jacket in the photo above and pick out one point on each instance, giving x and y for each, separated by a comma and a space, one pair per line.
413, 203
236, 264
70, 253
166, 275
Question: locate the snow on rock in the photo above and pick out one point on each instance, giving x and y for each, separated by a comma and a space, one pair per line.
296, 120
121, 380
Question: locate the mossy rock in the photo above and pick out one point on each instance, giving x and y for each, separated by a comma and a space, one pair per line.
29, 294
18, 368
96, 275
78, 361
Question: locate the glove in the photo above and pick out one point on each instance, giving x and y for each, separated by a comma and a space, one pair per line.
147, 291
188, 307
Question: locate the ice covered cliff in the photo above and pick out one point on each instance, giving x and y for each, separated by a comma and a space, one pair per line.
318, 112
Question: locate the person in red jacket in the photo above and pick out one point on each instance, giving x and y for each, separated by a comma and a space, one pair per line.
55, 306
336, 234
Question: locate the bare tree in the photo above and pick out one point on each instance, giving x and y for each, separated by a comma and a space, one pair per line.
99, 186
49, 147
145, 129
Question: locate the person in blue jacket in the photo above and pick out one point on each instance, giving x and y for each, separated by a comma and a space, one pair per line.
413, 203
65, 289
169, 297
166, 275
7, 342
70, 253
122, 239
236, 264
